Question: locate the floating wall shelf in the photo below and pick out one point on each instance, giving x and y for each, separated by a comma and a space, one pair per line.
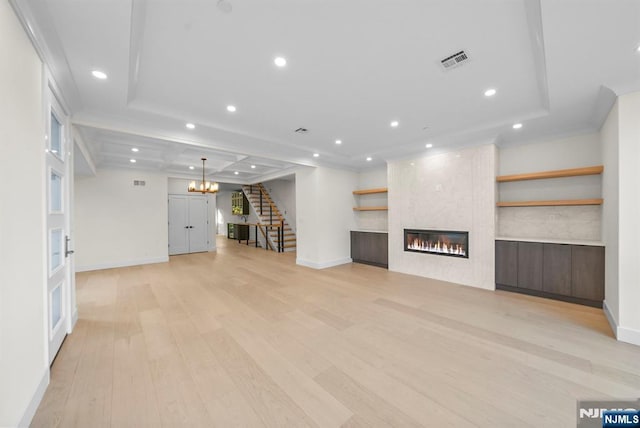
574, 172
370, 191
370, 208
564, 202
560, 173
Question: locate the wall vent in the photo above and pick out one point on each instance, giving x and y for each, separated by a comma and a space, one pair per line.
301, 130
455, 60
139, 183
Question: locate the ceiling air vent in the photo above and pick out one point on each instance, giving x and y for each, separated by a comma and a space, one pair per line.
455, 60
301, 131
139, 183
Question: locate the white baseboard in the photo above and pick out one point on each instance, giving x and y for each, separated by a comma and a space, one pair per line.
629, 335
613, 322
30, 411
623, 334
126, 263
323, 265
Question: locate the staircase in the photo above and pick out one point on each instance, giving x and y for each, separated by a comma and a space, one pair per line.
269, 218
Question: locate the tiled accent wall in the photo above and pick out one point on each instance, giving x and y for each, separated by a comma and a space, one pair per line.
570, 222
448, 191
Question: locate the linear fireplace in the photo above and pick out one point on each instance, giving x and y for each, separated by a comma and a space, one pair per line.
440, 242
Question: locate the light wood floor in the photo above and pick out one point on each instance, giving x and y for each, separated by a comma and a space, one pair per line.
244, 337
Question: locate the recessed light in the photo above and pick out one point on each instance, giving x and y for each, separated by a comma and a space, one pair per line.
338, 142
638, 48
253, 167
490, 92
192, 167
412, 164
280, 61
315, 155
394, 124
190, 126
517, 125
99, 74
236, 172
132, 160
135, 149
429, 145
231, 109
369, 159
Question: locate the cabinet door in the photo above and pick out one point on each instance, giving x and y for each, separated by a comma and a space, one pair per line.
370, 248
360, 244
530, 265
242, 232
556, 270
382, 248
587, 272
507, 263
355, 249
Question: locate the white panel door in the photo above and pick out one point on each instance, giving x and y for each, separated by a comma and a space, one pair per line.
198, 236
188, 224
58, 225
178, 224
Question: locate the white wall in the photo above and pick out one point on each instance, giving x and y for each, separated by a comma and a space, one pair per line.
283, 193
609, 135
178, 186
629, 217
449, 191
118, 224
24, 371
371, 220
563, 222
324, 216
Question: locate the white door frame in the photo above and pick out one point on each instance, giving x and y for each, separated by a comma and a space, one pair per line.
59, 163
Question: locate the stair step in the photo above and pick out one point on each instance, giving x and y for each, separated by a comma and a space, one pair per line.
289, 245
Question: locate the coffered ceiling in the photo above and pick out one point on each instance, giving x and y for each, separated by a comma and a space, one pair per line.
352, 67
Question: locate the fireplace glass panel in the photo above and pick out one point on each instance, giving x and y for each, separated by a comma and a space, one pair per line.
440, 242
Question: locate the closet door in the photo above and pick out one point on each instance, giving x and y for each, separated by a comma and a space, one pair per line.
198, 236
178, 224
188, 232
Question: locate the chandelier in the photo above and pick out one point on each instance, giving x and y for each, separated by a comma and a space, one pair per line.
205, 186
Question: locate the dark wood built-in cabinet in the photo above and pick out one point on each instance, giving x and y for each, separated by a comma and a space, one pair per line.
556, 276
530, 265
573, 273
587, 272
238, 231
370, 248
507, 263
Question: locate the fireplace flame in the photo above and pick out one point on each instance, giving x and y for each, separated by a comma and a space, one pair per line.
437, 247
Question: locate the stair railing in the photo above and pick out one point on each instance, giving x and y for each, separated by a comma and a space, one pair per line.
279, 227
